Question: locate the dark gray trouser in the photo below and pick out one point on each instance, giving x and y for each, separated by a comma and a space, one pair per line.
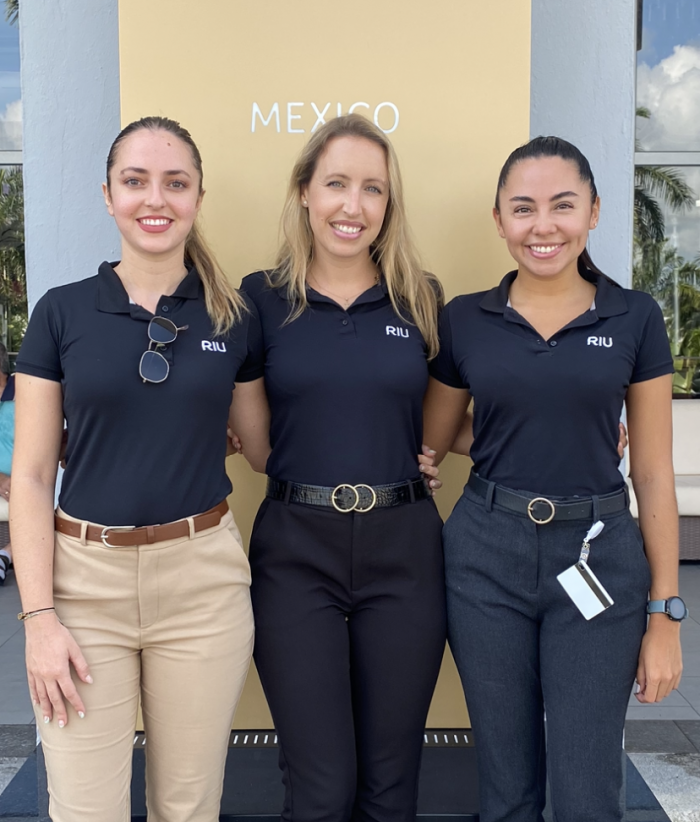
523, 648
349, 637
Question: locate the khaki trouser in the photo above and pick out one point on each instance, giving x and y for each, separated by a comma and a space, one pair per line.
170, 623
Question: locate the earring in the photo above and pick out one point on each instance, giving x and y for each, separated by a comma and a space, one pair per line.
305, 203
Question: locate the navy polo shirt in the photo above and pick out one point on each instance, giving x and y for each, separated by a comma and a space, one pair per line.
139, 453
345, 387
546, 412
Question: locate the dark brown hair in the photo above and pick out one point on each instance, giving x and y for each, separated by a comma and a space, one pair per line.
554, 147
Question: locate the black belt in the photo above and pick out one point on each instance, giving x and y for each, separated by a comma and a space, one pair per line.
346, 498
542, 510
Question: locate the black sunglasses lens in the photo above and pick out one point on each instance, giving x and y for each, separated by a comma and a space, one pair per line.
162, 331
153, 367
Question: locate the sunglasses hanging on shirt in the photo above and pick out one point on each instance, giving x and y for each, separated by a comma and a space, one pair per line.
153, 366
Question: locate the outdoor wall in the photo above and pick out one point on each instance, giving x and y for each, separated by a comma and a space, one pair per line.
583, 89
70, 101
449, 82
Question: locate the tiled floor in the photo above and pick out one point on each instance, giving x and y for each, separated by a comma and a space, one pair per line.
665, 746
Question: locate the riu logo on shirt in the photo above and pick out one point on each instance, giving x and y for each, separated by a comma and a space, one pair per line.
209, 345
396, 331
604, 342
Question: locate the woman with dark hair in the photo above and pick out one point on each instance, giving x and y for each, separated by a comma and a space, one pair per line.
549, 579
140, 581
348, 584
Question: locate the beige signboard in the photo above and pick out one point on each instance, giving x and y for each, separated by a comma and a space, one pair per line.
252, 79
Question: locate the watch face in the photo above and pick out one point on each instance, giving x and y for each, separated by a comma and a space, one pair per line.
675, 607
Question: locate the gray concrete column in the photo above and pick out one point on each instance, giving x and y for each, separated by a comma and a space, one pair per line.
583, 77
71, 108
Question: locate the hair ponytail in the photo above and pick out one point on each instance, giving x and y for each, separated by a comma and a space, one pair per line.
225, 305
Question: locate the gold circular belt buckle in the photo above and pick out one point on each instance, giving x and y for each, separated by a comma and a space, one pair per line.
356, 505
373, 498
530, 506
340, 488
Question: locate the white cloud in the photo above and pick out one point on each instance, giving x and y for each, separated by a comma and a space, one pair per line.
671, 92
11, 127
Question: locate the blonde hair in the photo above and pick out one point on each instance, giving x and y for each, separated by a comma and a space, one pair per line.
224, 304
411, 289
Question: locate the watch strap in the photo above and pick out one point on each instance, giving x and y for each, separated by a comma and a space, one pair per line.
656, 606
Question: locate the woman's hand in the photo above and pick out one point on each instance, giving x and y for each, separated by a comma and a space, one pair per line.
234, 445
50, 651
426, 465
5, 483
660, 660
622, 442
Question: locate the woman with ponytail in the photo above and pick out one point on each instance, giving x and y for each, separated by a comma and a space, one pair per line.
549, 579
139, 583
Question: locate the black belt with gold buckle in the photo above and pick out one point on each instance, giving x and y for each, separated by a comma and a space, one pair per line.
347, 498
542, 510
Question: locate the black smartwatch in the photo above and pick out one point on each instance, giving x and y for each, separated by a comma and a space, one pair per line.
673, 607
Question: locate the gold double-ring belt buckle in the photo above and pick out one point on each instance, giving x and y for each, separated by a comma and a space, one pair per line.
356, 504
530, 506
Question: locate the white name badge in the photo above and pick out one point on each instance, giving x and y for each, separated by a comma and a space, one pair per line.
585, 589
582, 585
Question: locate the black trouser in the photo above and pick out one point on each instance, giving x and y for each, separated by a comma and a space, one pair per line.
350, 632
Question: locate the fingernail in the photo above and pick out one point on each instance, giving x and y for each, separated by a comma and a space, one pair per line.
61, 723
35, 702
81, 714
420, 468
47, 719
430, 451
88, 679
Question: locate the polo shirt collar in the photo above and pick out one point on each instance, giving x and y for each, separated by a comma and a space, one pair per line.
609, 296
113, 299
374, 293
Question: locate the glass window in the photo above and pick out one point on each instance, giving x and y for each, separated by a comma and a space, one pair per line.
10, 95
668, 76
667, 176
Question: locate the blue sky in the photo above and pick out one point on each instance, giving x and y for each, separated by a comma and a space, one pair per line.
668, 23
9, 64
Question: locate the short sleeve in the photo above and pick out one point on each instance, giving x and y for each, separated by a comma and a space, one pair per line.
654, 357
40, 352
443, 367
253, 367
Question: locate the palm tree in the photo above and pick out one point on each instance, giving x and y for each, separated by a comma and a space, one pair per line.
651, 184
11, 11
13, 284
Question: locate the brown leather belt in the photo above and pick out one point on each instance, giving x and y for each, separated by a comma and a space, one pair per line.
125, 536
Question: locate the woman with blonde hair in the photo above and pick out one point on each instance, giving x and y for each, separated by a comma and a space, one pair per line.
140, 582
348, 588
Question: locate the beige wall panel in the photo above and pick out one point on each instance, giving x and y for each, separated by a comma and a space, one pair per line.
458, 73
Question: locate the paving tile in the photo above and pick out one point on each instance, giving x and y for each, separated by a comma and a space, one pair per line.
15, 705
690, 690
676, 699
17, 740
656, 736
8, 768
691, 728
9, 597
657, 711
690, 640
675, 781
689, 576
